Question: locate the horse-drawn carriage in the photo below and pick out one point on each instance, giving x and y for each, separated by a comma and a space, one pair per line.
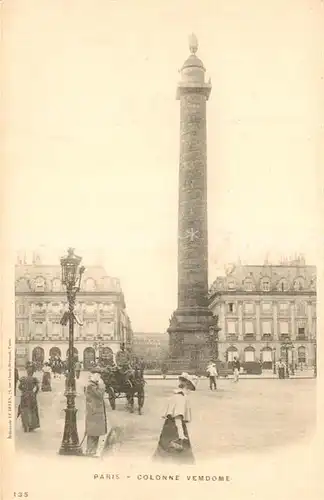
124, 382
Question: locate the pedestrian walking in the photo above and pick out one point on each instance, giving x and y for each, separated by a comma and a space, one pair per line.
281, 369
236, 369
28, 408
96, 419
77, 369
164, 370
46, 380
174, 442
212, 374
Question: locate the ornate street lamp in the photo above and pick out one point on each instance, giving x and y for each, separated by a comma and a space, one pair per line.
292, 360
274, 360
289, 345
213, 338
71, 278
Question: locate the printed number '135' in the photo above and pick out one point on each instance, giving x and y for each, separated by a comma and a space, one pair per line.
20, 494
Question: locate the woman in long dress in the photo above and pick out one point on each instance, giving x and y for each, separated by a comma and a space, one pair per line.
174, 443
46, 381
28, 409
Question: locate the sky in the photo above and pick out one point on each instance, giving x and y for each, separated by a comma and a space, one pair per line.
92, 134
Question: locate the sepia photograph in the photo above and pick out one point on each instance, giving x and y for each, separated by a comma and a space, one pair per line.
162, 227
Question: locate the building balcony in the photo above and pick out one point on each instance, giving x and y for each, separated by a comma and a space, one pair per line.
231, 337
267, 337
249, 337
301, 337
284, 338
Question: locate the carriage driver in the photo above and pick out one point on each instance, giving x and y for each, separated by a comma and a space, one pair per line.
123, 363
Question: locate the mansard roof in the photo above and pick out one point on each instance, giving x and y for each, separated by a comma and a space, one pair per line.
240, 274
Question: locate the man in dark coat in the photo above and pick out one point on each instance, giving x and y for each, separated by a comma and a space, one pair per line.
236, 369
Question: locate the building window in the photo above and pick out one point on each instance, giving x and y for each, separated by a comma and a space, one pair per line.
266, 307
283, 285
249, 354
298, 284
107, 328
56, 307
22, 285
39, 285
91, 328
301, 354
249, 308
90, 308
249, 328
284, 327
301, 308
231, 307
56, 329
266, 355
21, 329
56, 285
21, 309
265, 285
231, 353
90, 285
231, 327
266, 327
231, 285
248, 285
283, 353
39, 328
301, 332
313, 283
283, 307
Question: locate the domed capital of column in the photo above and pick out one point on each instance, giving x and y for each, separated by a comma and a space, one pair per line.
193, 71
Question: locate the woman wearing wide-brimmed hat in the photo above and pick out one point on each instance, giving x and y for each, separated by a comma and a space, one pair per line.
174, 443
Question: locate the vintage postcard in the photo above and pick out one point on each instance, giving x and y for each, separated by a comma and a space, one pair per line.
161, 258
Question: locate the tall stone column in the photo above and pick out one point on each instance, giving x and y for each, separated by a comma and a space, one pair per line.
189, 325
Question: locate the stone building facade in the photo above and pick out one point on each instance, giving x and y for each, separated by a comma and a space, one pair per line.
262, 309
40, 301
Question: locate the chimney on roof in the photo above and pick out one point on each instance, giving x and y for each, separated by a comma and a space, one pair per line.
36, 258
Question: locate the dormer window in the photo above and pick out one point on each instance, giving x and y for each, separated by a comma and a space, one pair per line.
283, 286
39, 285
231, 285
56, 285
248, 285
90, 285
298, 284
265, 284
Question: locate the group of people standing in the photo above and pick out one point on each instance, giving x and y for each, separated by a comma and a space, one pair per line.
212, 373
29, 387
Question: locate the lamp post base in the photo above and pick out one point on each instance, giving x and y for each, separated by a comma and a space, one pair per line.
70, 443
